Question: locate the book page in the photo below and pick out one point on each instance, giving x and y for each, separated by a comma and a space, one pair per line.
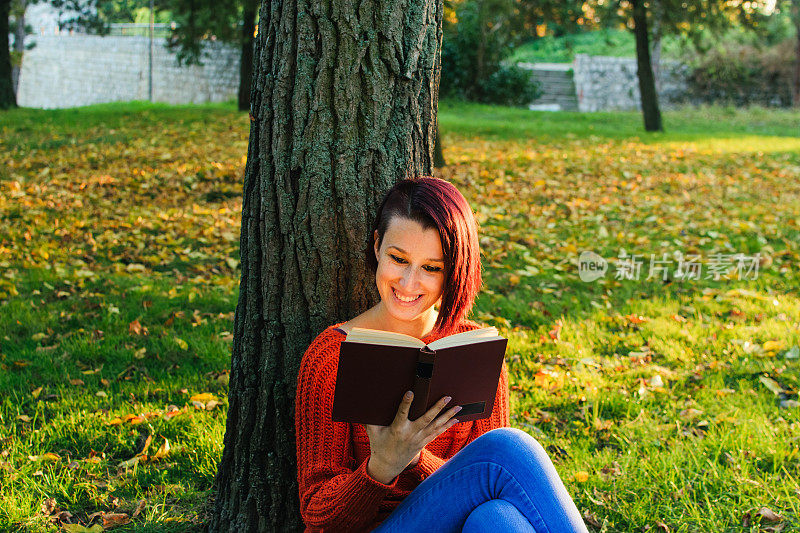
466, 337
387, 338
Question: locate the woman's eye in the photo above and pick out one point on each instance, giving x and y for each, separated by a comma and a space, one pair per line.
402, 261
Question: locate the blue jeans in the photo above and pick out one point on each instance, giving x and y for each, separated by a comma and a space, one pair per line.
503, 481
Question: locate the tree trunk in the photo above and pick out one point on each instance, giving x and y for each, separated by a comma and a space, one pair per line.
796, 84
647, 86
246, 63
656, 9
19, 43
438, 154
7, 96
343, 105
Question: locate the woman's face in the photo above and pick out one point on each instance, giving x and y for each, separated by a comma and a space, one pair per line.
410, 267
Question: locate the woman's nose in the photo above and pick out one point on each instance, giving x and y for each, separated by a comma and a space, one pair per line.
410, 278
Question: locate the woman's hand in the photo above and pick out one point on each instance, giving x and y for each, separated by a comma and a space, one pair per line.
393, 448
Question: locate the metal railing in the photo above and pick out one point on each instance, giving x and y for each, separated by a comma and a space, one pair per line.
125, 29
160, 30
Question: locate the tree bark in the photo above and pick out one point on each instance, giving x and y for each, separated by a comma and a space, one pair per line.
647, 85
343, 105
19, 42
246, 63
7, 97
796, 84
657, 10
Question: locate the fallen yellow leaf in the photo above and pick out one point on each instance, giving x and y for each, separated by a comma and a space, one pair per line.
163, 450
77, 528
203, 397
772, 346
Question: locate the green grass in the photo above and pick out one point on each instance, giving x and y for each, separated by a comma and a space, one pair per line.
752, 128
118, 238
614, 43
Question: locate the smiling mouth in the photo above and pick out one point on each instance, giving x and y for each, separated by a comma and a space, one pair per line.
403, 299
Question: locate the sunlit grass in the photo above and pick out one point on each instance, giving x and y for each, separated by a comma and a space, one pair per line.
119, 229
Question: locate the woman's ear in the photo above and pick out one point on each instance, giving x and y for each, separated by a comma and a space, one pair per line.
375, 237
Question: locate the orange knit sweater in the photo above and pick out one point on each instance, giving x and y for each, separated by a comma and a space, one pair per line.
336, 493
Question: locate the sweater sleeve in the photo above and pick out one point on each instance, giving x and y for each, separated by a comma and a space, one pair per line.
428, 463
335, 494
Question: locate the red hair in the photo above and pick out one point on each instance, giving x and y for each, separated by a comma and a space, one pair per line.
437, 204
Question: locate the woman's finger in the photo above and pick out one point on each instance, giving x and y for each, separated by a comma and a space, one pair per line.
426, 419
438, 431
405, 406
439, 424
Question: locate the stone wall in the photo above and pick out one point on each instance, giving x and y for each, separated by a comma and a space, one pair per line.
75, 70
610, 83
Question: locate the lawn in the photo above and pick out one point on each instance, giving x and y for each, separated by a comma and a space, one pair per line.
607, 42
667, 404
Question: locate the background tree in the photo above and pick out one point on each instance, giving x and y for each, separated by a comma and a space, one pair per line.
794, 9
7, 96
89, 15
644, 69
18, 28
690, 18
197, 21
343, 106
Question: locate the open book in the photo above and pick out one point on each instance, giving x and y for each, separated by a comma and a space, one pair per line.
377, 367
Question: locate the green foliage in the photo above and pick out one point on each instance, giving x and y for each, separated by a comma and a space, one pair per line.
472, 51
744, 74
200, 21
614, 43
16, 58
141, 15
126, 11
509, 85
87, 15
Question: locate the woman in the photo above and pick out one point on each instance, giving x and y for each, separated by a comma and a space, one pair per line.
433, 473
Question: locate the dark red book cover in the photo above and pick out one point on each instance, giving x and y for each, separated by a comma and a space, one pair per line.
372, 378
